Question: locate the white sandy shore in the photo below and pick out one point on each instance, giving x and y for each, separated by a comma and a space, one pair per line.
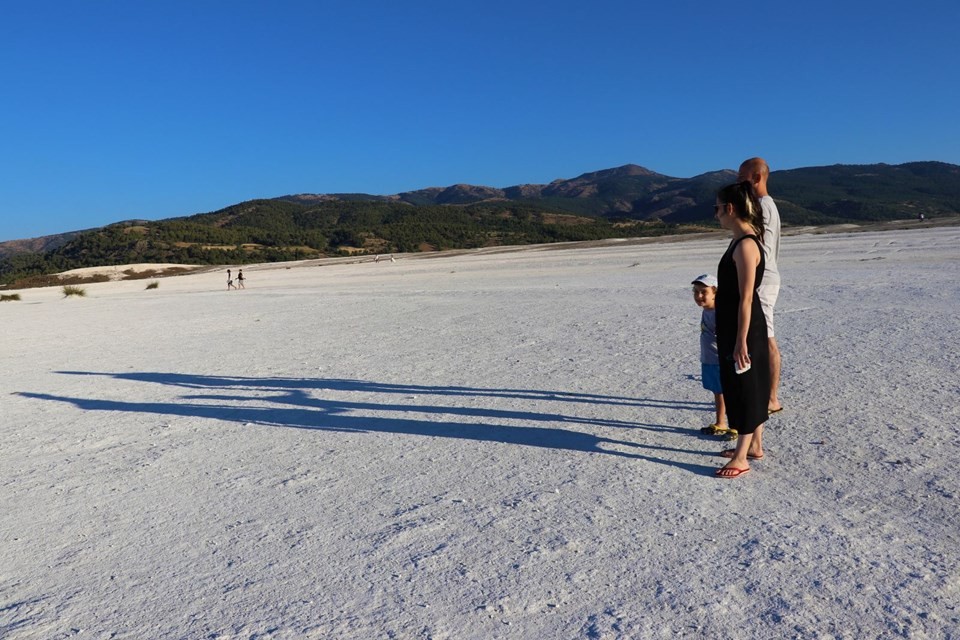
499, 445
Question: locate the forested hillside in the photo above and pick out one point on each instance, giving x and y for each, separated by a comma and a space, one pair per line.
278, 230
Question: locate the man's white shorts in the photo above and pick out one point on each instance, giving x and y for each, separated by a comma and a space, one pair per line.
768, 294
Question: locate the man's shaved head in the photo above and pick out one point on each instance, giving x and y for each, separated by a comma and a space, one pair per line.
754, 166
755, 171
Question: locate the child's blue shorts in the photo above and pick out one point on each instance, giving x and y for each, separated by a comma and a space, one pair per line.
710, 374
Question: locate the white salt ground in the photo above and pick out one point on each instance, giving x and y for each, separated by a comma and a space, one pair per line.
482, 446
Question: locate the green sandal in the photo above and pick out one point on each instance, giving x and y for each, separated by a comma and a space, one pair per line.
714, 430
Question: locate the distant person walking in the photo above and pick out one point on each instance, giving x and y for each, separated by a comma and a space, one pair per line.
741, 327
756, 172
230, 281
240, 279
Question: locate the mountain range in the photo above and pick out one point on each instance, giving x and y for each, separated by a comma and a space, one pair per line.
834, 193
619, 202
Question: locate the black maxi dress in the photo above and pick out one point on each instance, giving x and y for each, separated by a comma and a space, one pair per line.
746, 395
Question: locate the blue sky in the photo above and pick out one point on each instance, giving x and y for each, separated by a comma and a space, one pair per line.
114, 109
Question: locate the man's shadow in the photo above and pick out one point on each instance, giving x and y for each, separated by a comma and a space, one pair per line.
289, 404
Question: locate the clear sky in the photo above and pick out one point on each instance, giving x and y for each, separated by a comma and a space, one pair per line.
118, 109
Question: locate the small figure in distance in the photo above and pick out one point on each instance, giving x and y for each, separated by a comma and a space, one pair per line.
240, 279
230, 280
705, 295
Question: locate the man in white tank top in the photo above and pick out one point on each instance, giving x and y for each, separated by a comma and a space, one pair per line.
756, 171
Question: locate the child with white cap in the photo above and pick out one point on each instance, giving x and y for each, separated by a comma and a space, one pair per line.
705, 294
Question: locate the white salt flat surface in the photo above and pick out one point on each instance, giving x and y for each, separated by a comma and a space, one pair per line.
486, 445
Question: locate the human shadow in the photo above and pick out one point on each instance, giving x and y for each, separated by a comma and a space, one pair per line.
365, 386
289, 404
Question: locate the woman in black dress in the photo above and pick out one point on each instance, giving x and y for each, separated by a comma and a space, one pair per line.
741, 328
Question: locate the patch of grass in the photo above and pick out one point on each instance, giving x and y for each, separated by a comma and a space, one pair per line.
153, 285
70, 290
130, 274
55, 280
10, 297
100, 277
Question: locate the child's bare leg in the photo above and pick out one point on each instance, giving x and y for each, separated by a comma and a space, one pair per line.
721, 410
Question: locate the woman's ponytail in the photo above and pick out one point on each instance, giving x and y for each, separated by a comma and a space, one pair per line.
745, 203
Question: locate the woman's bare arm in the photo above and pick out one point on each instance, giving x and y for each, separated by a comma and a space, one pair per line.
747, 258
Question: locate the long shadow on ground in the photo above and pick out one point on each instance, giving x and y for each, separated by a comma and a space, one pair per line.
289, 403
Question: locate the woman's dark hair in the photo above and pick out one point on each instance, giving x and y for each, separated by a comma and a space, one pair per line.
745, 204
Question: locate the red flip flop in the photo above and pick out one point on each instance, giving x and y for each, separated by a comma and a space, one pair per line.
729, 473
